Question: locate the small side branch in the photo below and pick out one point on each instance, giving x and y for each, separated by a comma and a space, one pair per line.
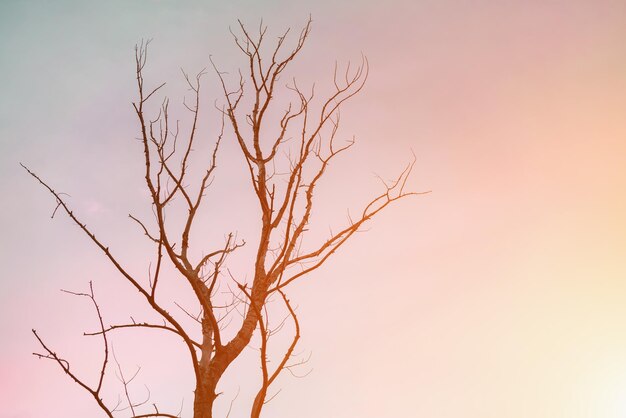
149, 296
65, 365
138, 325
269, 377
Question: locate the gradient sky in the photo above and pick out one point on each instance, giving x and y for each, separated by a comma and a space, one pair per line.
500, 294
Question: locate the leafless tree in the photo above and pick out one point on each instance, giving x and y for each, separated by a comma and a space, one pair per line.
285, 205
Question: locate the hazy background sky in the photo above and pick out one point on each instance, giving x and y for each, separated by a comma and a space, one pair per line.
500, 294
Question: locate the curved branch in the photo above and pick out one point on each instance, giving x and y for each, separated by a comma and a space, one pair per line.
65, 365
139, 325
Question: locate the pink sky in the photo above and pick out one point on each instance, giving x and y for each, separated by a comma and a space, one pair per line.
500, 294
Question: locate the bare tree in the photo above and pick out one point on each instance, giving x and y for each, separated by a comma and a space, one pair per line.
285, 205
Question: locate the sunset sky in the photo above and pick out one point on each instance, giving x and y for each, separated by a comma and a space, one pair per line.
500, 294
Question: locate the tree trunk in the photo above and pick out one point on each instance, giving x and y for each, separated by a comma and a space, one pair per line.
208, 375
204, 398
212, 364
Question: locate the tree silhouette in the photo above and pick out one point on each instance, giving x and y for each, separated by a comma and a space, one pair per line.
285, 161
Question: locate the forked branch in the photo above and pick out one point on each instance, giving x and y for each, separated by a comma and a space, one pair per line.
65, 365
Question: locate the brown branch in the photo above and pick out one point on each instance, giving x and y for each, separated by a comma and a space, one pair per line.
268, 378
125, 383
286, 205
149, 298
65, 365
138, 325
336, 241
